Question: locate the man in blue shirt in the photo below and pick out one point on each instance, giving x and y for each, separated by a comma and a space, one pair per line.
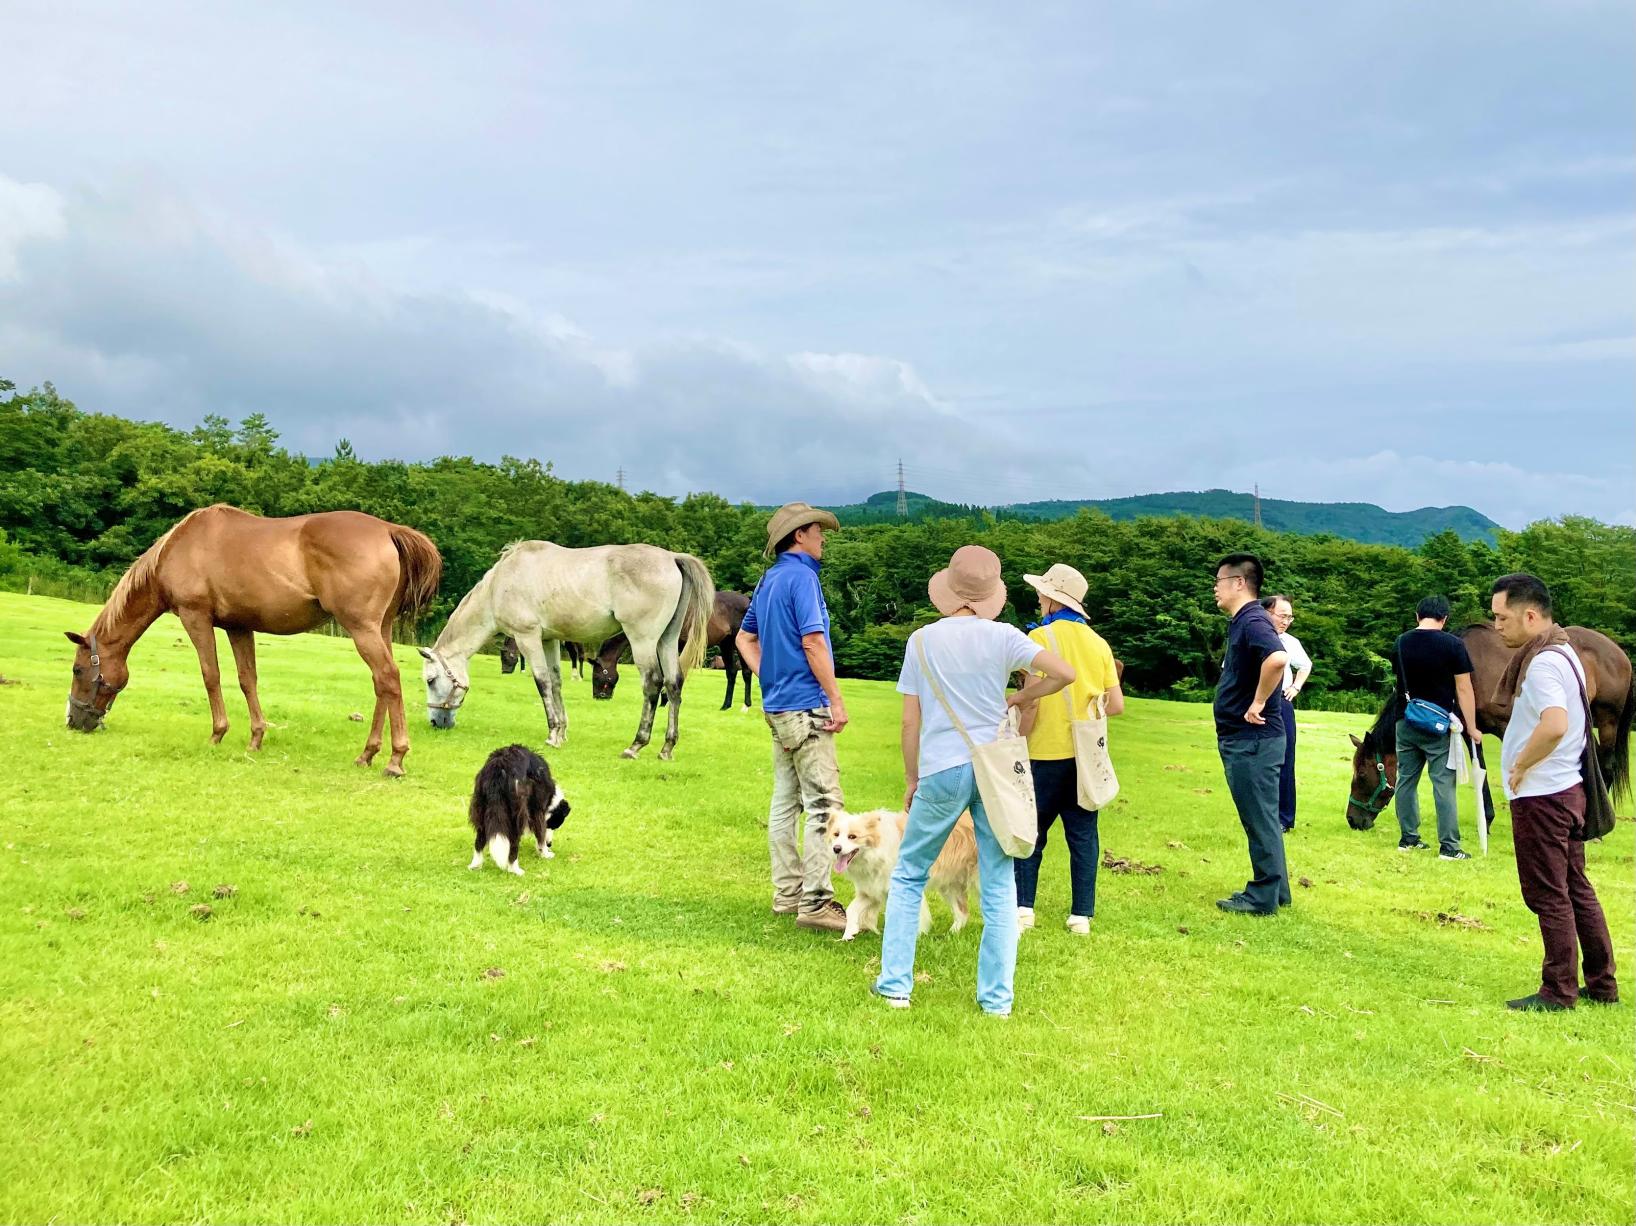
785, 641
1250, 734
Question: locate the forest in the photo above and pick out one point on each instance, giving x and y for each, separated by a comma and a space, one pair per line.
82, 494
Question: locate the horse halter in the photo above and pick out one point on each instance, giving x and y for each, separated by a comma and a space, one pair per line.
1382, 795
457, 692
99, 685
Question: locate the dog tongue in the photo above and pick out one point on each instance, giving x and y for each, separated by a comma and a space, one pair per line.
841, 862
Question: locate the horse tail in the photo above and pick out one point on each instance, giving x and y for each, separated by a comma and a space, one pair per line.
420, 566
1619, 775
693, 610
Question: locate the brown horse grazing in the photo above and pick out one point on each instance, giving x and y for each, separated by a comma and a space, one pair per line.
220, 566
1609, 686
511, 656
726, 616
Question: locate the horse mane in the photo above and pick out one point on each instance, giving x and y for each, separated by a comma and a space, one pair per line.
141, 573
513, 548
1382, 734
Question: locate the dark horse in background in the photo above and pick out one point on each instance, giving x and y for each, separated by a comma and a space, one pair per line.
511, 656
725, 619
1609, 686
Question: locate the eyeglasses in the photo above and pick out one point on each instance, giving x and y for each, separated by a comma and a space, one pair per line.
1220, 579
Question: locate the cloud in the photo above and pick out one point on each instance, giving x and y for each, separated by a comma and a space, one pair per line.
1508, 493
139, 303
1057, 251
28, 211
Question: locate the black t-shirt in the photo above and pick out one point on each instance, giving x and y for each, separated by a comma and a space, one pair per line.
1251, 638
1427, 662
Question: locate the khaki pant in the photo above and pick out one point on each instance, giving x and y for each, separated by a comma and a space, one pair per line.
806, 778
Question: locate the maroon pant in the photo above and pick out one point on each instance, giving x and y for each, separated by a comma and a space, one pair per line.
1551, 869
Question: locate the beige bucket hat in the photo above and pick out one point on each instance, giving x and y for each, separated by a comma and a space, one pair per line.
1063, 584
972, 581
794, 515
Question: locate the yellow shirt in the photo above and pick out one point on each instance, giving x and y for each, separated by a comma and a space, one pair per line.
1092, 660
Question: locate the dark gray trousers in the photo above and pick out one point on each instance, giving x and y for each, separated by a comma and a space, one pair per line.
1252, 765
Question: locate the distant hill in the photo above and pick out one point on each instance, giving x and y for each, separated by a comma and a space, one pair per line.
1356, 521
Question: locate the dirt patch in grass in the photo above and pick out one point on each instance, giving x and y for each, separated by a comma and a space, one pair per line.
1119, 864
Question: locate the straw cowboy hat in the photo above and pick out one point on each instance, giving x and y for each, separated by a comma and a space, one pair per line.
1063, 584
972, 581
792, 516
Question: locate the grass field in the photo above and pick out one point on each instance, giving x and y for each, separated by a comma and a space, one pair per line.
265, 987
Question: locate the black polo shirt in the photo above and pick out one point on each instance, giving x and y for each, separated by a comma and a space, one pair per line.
1427, 662
1251, 638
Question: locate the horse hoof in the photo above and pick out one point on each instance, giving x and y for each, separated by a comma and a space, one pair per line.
216, 737
255, 744
393, 771
362, 759
665, 755
631, 752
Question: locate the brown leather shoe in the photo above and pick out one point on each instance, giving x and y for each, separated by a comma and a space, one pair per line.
831, 917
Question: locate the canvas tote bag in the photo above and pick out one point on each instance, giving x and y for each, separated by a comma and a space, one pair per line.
1005, 780
1093, 766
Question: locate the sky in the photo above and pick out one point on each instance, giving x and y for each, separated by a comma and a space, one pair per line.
1377, 252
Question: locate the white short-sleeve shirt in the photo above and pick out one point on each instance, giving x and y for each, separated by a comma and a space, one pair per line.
1549, 682
1298, 658
972, 658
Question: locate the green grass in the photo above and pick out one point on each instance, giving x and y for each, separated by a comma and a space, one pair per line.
363, 1030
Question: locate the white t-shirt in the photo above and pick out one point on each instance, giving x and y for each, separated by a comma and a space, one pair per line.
1298, 658
1549, 682
972, 658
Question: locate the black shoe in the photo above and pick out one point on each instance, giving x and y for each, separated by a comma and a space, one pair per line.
1239, 905
1453, 855
1288, 828
1599, 1000
1413, 844
1536, 1004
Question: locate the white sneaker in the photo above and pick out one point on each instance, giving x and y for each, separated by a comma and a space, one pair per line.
1079, 925
1025, 918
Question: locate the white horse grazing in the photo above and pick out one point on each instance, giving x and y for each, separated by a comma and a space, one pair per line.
542, 594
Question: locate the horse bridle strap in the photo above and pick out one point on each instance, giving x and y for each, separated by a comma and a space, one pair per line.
1382, 795
98, 684
457, 694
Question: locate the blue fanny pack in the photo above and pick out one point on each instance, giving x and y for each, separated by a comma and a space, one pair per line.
1426, 717
1419, 714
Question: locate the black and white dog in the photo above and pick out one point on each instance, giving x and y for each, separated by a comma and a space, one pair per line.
514, 792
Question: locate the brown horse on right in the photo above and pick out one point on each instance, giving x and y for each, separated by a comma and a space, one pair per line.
220, 566
1609, 685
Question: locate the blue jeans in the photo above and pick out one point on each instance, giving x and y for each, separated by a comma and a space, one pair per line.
1056, 794
938, 804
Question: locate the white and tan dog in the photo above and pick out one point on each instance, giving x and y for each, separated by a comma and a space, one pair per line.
865, 848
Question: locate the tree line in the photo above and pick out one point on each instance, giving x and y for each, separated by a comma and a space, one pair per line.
83, 494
